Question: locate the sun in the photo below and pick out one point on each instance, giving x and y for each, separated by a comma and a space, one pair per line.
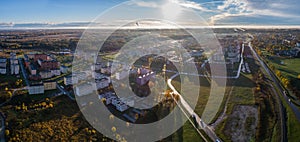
171, 10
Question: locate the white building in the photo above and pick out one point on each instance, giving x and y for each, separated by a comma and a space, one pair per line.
121, 106
64, 69
80, 75
56, 72
121, 75
3, 62
84, 89
36, 89
102, 83
49, 85
96, 67
70, 80
14, 64
46, 74
14, 69
32, 69
2, 70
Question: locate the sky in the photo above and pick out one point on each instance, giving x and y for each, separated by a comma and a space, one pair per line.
224, 12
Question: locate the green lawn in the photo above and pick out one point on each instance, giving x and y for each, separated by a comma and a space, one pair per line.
242, 93
290, 68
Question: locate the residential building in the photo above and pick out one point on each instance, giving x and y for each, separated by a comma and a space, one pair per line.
69, 80
35, 77
3, 70
144, 76
84, 89
37, 57
48, 65
36, 89
14, 64
49, 85
64, 69
56, 72
80, 75
26, 60
46, 74
121, 75
102, 83
32, 69
3, 62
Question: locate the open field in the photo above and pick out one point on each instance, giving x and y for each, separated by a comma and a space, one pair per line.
289, 67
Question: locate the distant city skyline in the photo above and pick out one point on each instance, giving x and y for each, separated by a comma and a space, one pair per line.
224, 12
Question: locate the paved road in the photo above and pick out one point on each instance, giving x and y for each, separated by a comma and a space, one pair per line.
277, 83
65, 92
191, 112
2, 129
24, 73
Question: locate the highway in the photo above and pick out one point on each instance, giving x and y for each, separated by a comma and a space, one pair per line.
183, 104
277, 83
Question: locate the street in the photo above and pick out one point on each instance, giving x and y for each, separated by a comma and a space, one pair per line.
191, 112
278, 84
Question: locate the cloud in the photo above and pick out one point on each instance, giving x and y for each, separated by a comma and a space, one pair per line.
191, 4
159, 4
218, 11
253, 8
150, 4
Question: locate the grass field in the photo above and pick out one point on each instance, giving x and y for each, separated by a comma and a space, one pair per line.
241, 94
289, 67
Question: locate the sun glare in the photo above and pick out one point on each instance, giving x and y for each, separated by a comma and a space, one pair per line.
171, 10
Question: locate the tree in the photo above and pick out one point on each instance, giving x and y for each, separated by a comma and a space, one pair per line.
278, 73
6, 132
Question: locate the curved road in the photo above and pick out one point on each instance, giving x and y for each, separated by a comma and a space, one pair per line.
183, 104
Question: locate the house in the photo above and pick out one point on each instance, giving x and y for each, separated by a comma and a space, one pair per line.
295, 52
36, 89
49, 85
